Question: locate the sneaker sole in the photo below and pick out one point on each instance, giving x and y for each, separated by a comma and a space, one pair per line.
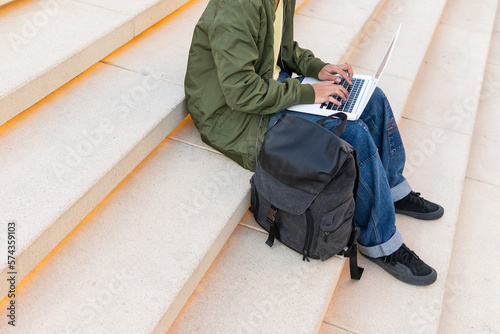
413, 280
423, 216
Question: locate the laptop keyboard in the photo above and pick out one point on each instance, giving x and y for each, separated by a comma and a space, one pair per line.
348, 105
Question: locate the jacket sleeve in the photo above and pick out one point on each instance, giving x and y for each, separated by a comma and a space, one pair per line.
302, 61
233, 39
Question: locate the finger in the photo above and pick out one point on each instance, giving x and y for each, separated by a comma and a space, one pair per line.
342, 93
332, 77
333, 100
329, 83
345, 92
345, 75
348, 69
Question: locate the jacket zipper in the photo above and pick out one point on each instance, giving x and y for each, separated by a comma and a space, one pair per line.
309, 235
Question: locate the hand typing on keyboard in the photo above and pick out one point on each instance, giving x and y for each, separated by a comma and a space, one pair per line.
331, 72
325, 91
348, 87
348, 104
335, 84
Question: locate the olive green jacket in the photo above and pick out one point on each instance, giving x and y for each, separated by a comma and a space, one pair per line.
229, 87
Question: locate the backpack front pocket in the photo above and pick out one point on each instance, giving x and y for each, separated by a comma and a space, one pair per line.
335, 229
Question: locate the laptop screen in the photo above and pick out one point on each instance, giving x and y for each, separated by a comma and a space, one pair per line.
387, 55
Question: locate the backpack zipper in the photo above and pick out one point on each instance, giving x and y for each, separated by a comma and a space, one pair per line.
309, 235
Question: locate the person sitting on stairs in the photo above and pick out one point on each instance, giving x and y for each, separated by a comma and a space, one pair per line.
238, 83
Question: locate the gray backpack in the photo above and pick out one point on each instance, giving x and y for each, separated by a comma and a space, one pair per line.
304, 189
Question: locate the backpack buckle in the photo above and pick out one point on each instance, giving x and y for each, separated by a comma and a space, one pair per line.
271, 216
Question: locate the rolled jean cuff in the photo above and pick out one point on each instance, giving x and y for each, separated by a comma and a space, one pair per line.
400, 191
384, 249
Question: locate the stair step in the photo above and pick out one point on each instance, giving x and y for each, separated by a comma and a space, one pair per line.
472, 294
482, 161
460, 62
4, 2
419, 23
50, 42
275, 291
78, 143
163, 51
471, 291
328, 33
437, 155
62, 168
136, 258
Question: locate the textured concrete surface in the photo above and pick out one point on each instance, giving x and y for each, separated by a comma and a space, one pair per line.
450, 100
486, 141
46, 46
471, 17
3, 2
186, 132
145, 13
164, 48
494, 57
50, 42
132, 263
332, 33
472, 291
329, 329
253, 288
61, 157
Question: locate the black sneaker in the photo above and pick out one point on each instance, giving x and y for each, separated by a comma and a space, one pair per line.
406, 266
417, 207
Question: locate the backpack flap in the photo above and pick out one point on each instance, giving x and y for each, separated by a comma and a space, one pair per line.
302, 154
297, 161
272, 198
282, 196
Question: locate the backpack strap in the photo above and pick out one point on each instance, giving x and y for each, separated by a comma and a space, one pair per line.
352, 251
271, 219
352, 254
339, 129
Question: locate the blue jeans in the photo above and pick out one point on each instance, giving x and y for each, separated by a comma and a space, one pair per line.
381, 159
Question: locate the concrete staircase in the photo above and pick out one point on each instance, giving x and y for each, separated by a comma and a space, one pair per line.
105, 239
